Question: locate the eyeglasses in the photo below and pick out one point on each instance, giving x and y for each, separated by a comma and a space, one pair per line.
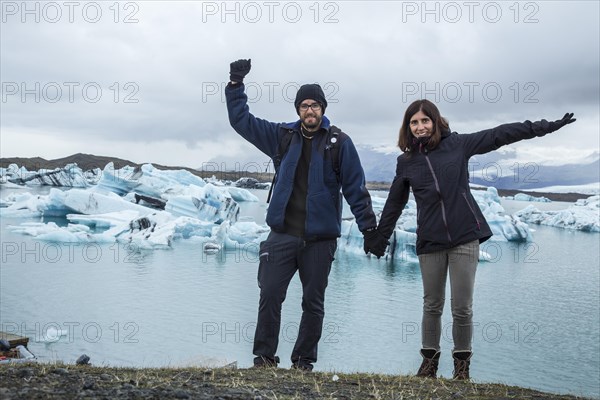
313, 106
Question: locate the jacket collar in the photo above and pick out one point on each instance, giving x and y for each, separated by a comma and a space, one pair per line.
417, 144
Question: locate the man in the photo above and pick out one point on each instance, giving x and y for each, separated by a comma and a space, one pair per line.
304, 213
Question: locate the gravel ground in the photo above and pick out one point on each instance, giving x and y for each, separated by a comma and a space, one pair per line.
57, 381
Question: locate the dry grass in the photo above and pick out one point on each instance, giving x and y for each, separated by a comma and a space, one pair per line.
63, 381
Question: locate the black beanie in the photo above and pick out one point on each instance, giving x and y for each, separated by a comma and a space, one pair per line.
310, 91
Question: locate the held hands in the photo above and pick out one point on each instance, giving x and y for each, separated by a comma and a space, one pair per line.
238, 70
556, 125
375, 242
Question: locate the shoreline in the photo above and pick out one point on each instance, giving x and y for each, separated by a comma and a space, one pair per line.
48, 381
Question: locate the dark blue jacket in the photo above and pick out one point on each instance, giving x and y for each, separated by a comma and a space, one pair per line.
447, 213
324, 200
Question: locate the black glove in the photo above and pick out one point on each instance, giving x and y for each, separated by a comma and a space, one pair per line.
375, 242
556, 125
238, 70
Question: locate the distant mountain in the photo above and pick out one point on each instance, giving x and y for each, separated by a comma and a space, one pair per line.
84, 161
533, 175
91, 161
498, 169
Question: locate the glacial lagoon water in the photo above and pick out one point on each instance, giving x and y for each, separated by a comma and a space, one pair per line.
537, 307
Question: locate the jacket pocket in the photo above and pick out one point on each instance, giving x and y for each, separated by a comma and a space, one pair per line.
472, 208
264, 257
323, 215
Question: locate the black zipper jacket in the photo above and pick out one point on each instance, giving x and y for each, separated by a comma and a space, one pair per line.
447, 213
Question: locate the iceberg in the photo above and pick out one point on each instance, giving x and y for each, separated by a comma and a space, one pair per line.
53, 334
122, 207
584, 216
241, 194
53, 233
68, 176
504, 227
526, 197
152, 209
146, 180
209, 203
251, 183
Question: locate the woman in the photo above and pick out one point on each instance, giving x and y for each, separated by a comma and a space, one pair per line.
450, 225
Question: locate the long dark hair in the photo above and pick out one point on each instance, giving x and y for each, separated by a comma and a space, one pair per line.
440, 124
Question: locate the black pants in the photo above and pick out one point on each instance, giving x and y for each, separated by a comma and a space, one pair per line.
281, 255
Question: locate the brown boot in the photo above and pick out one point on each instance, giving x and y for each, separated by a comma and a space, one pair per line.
462, 360
429, 366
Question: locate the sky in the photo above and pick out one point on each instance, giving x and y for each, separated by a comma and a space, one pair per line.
144, 80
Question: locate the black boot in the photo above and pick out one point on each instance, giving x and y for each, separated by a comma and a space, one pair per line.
266, 362
301, 365
462, 361
429, 366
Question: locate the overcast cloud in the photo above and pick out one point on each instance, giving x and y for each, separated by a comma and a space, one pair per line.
144, 80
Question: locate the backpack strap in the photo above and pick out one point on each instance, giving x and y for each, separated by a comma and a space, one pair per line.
284, 145
334, 147
282, 148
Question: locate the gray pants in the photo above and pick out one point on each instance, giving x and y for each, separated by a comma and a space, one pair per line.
461, 261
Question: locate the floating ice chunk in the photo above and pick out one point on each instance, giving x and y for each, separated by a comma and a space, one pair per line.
115, 223
526, 197
8, 185
121, 181
504, 227
159, 229
23, 205
239, 194
16, 213
211, 248
147, 180
207, 203
152, 230
89, 202
246, 235
69, 176
484, 256
53, 334
581, 216
214, 181
53, 233
251, 183
107, 220
507, 228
